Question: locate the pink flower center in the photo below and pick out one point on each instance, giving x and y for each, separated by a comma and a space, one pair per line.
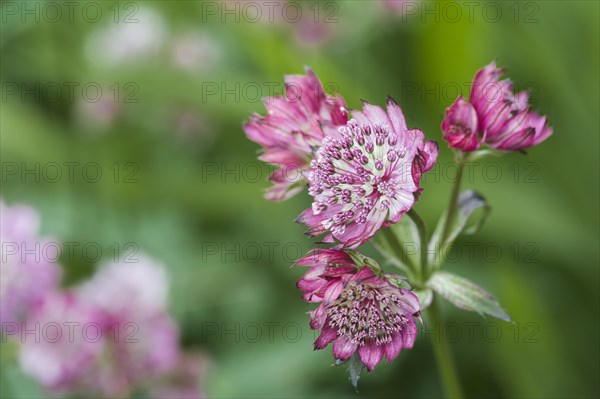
365, 313
360, 172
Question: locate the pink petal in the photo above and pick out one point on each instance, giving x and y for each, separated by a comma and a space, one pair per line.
460, 126
483, 79
396, 116
431, 148
409, 334
332, 293
370, 354
392, 349
327, 335
343, 349
375, 114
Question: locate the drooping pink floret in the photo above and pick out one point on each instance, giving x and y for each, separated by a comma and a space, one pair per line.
28, 269
123, 333
358, 310
493, 116
367, 176
294, 126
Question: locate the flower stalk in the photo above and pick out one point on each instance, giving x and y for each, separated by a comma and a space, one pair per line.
461, 159
421, 226
443, 356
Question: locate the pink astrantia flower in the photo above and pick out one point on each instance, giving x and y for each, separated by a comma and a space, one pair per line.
133, 296
358, 311
294, 126
367, 176
121, 335
493, 116
63, 357
28, 271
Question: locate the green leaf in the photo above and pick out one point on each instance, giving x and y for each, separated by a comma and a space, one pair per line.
468, 203
425, 297
466, 295
355, 368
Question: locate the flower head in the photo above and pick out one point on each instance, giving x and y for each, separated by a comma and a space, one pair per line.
359, 310
133, 296
120, 333
493, 116
28, 271
64, 359
295, 124
367, 175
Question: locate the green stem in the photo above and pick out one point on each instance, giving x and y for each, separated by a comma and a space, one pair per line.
451, 214
396, 246
443, 355
423, 244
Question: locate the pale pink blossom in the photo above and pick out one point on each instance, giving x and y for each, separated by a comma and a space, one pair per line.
368, 176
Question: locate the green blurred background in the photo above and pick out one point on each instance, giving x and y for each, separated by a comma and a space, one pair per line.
181, 182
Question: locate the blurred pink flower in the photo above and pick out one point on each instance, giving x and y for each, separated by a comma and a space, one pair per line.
59, 346
494, 116
97, 116
294, 126
311, 32
368, 176
133, 296
397, 5
195, 51
137, 36
28, 271
358, 311
133, 339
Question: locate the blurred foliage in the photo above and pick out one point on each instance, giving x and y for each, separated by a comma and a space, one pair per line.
187, 183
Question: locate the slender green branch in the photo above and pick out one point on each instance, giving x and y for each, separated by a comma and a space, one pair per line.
396, 246
422, 244
443, 355
451, 213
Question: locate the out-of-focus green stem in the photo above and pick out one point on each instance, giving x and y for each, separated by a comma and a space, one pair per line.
443, 355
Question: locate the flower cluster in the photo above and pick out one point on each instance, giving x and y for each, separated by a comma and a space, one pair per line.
363, 170
363, 174
107, 336
493, 116
25, 278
